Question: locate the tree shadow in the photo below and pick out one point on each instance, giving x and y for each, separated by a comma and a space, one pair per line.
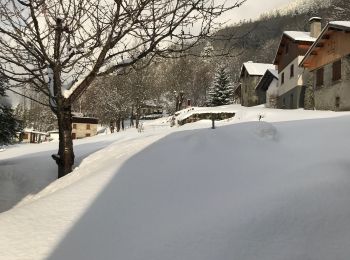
29, 174
163, 201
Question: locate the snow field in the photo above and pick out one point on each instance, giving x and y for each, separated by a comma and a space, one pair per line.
276, 189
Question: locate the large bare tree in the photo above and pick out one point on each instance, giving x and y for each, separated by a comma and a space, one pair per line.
60, 46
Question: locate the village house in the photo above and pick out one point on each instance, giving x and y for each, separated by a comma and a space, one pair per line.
250, 76
267, 88
32, 136
329, 61
83, 126
292, 48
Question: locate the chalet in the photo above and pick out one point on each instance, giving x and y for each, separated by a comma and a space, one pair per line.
292, 48
83, 126
267, 88
250, 76
32, 136
328, 59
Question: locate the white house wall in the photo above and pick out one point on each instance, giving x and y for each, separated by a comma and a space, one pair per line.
290, 83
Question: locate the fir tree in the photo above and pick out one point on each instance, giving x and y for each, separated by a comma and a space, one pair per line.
9, 124
221, 91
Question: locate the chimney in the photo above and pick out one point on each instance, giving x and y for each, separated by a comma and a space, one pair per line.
315, 26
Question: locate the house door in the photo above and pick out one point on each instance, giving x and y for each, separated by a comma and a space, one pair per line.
74, 135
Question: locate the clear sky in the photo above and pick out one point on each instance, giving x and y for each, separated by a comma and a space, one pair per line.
253, 9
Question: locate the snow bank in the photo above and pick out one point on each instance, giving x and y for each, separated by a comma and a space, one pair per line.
277, 189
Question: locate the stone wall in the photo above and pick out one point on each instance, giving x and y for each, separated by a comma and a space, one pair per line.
334, 95
206, 116
249, 96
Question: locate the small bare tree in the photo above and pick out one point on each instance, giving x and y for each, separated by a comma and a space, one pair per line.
60, 46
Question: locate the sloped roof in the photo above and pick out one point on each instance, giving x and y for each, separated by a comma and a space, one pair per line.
340, 25
266, 80
345, 24
296, 36
256, 69
84, 120
299, 36
274, 72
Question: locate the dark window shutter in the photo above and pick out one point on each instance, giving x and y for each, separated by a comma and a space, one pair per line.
337, 70
319, 77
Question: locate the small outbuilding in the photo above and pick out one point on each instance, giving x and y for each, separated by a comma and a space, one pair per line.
250, 76
267, 88
32, 136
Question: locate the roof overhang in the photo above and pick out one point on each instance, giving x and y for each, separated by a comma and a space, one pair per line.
320, 41
281, 45
266, 80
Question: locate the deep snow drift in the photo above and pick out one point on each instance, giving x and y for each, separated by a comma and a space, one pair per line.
276, 189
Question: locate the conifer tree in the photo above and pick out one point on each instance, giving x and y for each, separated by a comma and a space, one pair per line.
221, 91
9, 124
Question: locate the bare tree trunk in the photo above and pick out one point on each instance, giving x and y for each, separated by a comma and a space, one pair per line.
65, 158
132, 116
111, 126
137, 116
122, 121
118, 123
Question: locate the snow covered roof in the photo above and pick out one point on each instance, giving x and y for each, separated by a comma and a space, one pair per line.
256, 69
28, 130
266, 80
299, 36
345, 24
274, 73
340, 25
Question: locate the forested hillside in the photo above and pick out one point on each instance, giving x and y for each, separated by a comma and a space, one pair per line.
193, 72
258, 40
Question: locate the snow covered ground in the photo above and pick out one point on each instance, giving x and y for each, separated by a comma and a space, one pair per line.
275, 189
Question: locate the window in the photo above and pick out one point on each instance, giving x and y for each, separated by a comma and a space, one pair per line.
292, 71
282, 79
319, 77
88, 135
74, 126
88, 127
337, 70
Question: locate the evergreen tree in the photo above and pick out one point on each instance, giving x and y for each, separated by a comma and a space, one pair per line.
9, 125
221, 91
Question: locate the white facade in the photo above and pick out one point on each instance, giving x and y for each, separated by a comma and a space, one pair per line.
291, 82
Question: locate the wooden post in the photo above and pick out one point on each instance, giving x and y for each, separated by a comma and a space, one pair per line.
212, 121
